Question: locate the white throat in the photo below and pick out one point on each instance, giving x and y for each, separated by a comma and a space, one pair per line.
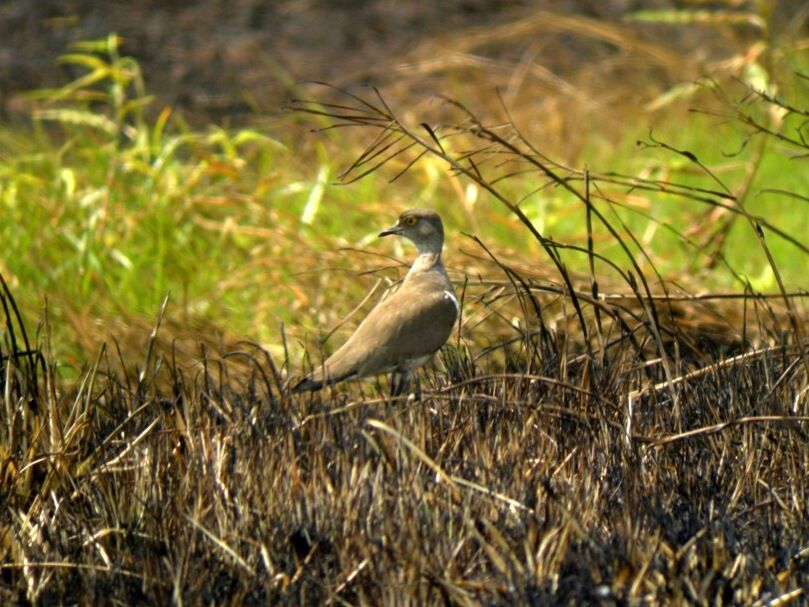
428, 257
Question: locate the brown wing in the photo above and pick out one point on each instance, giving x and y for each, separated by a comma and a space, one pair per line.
407, 325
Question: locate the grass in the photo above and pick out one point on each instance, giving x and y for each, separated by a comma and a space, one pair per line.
557, 481
121, 210
591, 435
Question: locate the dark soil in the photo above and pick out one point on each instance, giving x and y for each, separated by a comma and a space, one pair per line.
213, 59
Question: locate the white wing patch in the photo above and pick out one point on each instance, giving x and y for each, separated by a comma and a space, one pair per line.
449, 295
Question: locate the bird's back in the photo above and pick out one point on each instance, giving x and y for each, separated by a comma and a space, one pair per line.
402, 332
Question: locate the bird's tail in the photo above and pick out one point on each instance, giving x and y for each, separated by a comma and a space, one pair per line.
307, 384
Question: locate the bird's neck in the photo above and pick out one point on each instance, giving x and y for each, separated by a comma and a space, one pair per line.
427, 259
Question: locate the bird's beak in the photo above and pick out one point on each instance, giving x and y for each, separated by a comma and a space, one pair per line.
392, 230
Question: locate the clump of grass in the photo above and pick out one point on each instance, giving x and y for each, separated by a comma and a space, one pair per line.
110, 201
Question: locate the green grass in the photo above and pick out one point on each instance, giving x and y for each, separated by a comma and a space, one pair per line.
107, 210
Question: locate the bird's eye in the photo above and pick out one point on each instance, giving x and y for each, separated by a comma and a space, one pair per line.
409, 221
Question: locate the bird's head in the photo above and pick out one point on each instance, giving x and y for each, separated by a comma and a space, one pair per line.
422, 227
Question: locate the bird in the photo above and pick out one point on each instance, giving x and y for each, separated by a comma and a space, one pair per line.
404, 330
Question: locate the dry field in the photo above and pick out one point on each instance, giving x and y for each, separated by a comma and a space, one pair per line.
621, 418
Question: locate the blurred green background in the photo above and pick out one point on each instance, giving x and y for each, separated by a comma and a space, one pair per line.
146, 149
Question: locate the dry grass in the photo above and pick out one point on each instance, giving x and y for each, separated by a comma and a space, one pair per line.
552, 479
647, 448
594, 434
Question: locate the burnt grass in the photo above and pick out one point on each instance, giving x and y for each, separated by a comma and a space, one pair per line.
525, 476
649, 449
